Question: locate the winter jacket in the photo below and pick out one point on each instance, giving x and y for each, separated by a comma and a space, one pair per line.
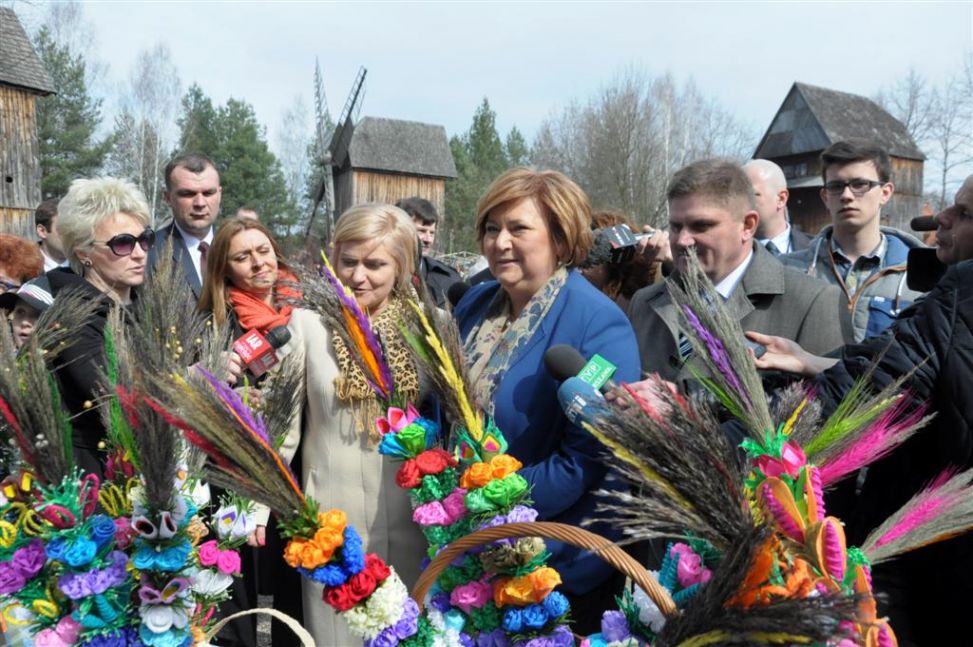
879, 300
929, 590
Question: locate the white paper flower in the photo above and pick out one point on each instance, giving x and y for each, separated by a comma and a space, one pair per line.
211, 582
234, 524
649, 613
383, 609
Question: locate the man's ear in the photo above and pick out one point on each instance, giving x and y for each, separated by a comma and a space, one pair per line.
750, 221
41, 231
887, 190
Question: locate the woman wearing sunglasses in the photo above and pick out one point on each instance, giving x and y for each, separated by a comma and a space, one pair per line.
106, 230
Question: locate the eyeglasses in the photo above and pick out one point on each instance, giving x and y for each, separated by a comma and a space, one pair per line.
124, 244
859, 186
8, 286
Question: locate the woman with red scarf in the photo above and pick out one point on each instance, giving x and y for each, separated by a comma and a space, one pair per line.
249, 287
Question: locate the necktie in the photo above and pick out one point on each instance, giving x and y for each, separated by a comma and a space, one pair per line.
772, 248
203, 249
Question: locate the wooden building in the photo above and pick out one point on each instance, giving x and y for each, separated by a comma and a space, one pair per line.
390, 159
22, 79
813, 118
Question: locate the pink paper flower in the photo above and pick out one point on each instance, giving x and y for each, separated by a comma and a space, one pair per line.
791, 461
431, 514
209, 554
690, 569
455, 505
471, 595
396, 419
65, 634
228, 562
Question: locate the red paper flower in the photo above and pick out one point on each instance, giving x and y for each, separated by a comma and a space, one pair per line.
376, 567
408, 476
339, 598
361, 585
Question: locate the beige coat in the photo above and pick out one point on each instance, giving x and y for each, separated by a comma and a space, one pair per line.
340, 470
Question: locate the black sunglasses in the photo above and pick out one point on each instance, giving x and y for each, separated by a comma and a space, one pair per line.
124, 244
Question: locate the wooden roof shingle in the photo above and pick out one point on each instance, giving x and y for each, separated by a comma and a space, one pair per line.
19, 64
397, 146
812, 118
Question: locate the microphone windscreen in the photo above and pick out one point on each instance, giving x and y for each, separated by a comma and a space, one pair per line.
924, 223
278, 336
563, 361
455, 292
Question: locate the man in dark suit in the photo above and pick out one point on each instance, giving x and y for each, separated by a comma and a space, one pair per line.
193, 193
774, 230
437, 276
711, 209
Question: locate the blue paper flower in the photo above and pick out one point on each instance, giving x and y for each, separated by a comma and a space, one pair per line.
80, 552
534, 617
513, 621
556, 605
102, 529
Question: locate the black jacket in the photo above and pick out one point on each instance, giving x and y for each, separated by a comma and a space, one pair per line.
438, 277
930, 590
78, 368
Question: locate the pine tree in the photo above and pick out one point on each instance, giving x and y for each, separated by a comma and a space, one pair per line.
197, 125
66, 121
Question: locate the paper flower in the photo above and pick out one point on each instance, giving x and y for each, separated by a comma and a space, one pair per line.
233, 524
791, 460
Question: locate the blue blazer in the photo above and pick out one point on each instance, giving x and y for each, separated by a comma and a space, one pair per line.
560, 460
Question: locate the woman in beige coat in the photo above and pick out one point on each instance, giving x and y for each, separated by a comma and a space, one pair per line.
374, 252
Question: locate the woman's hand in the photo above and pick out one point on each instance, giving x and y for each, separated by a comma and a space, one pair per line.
258, 537
234, 367
788, 356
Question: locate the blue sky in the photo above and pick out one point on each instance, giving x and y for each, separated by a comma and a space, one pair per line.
434, 62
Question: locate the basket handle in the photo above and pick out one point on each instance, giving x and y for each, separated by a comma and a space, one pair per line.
603, 548
306, 639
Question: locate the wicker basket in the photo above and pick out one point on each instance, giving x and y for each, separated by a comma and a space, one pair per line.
603, 548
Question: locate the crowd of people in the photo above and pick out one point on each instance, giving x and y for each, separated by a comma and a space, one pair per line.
823, 306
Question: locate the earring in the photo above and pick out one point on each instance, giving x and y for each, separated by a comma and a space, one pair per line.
86, 262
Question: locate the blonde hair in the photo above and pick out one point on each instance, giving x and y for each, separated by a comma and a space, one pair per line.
88, 203
563, 204
383, 224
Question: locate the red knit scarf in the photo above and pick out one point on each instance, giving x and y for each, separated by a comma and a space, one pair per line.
252, 312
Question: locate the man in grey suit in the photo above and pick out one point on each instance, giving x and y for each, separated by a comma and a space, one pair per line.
774, 231
193, 193
711, 209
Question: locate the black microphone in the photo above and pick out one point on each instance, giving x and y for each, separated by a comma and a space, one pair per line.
617, 244
455, 292
564, 362
924, 223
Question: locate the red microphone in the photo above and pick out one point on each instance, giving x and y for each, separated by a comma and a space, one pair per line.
257, 351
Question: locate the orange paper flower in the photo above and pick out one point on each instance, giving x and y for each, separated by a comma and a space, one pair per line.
526, 589
504, 464
335, 520
476, 475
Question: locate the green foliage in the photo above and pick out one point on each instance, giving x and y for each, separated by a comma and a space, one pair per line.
480, 156
66, 121
250, 173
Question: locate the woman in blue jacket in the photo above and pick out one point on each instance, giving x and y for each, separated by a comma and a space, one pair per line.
533, 228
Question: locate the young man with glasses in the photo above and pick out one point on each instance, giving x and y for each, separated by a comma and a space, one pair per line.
855, 252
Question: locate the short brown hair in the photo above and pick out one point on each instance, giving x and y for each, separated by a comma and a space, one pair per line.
46, 212
215, 281
563, 204
722, 181
192, 162
850, 151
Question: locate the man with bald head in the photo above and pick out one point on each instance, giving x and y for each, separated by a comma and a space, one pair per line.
774, 231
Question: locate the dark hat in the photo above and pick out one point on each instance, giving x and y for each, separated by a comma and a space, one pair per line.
36, 293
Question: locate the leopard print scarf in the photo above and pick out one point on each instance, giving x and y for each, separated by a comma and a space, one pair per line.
351, 386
